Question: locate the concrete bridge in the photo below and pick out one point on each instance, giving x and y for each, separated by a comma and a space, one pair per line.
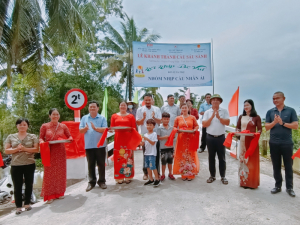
173, 202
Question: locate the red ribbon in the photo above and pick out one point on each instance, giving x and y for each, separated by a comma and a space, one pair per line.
1, 160
228, 140
194, 140
74, 149
134, 140
297, 154
45, 153
253, 143
130, 139
102, 139
171, 137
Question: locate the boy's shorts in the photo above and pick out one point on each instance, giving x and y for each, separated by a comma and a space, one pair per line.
150, 162
167, 156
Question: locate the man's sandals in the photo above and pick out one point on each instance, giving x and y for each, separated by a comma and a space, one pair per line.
212, 179
224, 180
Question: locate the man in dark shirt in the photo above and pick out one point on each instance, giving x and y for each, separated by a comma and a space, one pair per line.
280, 121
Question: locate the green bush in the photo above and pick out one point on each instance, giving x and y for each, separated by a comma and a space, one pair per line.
38, 163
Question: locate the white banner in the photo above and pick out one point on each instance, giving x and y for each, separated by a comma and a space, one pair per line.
171, 65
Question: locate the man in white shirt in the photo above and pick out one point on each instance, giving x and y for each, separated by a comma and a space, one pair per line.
172, 109
215, 120
142, 115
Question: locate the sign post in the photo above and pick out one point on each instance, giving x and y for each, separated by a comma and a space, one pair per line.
76, 99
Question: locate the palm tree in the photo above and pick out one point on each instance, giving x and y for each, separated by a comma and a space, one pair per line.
120, 44
158, 99
32, 32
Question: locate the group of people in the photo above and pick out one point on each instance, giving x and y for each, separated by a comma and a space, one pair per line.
168, 136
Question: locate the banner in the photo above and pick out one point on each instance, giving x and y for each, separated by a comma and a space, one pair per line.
171, 65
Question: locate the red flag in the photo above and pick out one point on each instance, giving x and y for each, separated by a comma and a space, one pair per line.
45, 153
1, 160
297, 154
233, 106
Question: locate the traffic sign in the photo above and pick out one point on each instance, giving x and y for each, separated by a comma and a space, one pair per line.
76, 99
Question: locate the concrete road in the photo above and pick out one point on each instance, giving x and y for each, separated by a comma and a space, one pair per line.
173, 202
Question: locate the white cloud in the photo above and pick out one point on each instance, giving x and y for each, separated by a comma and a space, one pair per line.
256, 43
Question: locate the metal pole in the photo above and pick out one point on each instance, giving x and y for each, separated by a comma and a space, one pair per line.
212, 66
77, 115
236, 143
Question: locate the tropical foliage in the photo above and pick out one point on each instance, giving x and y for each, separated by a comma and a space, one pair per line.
33, 32
120, 44
35, 105
48, 47
158, 99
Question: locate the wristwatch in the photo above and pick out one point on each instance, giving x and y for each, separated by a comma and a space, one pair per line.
283, 123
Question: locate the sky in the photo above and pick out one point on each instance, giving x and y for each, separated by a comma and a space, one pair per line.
256, 44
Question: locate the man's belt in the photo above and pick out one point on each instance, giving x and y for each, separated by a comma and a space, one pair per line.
215, 136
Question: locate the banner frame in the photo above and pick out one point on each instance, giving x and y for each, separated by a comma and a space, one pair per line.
211, 61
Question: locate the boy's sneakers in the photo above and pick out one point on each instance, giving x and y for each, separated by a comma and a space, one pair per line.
162, 177
171, 177
149, 182
156, 183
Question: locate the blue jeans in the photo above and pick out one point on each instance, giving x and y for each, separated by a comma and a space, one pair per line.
150, 162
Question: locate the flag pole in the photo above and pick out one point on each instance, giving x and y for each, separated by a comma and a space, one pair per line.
212, 66
237, 119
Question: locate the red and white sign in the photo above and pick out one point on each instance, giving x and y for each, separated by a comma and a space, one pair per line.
76, 99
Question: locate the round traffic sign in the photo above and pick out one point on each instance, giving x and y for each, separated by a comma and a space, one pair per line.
76, 99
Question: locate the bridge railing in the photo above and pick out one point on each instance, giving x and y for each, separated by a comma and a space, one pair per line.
110, 146
78, 169
235, 146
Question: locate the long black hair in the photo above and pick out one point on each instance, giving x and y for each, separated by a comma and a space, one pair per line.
253, 112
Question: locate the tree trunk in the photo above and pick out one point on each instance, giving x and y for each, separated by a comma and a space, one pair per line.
126, 89
129, 78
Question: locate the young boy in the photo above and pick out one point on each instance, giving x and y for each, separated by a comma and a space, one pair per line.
149, 141
163, 133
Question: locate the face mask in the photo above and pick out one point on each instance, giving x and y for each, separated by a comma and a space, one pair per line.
130, 106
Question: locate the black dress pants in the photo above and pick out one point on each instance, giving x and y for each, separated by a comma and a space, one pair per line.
203, 138
285, 151
18, 173
157, 161
215, 146
93, 156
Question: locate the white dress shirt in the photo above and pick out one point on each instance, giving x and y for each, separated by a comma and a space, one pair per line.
216, 127
139, 116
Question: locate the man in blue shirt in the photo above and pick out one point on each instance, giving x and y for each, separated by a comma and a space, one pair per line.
280, 121
204, 107
92, 126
